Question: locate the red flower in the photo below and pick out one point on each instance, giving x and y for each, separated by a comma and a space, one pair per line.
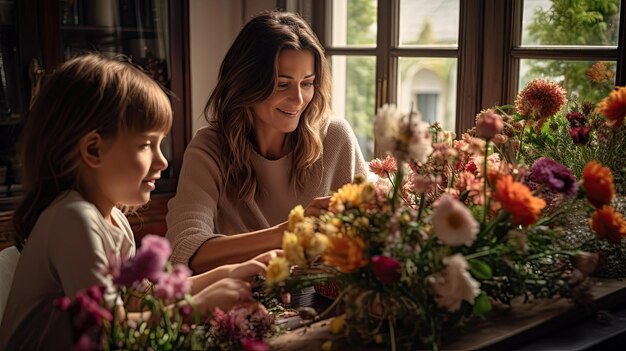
387, 269
580, 135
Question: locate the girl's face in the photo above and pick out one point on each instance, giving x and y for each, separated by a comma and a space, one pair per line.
280, 113
131, 164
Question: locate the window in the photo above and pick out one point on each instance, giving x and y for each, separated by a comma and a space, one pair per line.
450, 58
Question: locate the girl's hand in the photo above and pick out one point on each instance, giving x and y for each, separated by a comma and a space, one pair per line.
315, 207
225, 293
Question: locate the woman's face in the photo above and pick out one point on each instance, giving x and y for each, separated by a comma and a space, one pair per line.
294, 90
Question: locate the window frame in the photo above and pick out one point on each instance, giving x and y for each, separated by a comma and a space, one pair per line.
488, 74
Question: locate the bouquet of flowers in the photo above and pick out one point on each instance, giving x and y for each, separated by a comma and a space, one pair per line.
165, 316
449, 228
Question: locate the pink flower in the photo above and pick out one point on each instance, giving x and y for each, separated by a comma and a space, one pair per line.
254, 345
387, 269
453, 223
488, 124
174, 284
149, 261
245, 321
383, 167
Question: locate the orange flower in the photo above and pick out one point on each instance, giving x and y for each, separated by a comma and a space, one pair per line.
345, 253
608, 224
540, 99
598, 183
613, 107
517, 200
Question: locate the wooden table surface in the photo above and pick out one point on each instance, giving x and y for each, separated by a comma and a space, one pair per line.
504, 329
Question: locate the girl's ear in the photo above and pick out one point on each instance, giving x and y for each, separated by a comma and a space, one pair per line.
90, 148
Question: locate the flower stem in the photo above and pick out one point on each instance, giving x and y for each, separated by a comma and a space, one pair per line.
396, 186
392, 335
485, 179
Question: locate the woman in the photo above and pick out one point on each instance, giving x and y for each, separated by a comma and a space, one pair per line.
270, 145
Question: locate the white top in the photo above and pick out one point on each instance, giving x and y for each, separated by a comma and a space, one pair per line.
204, 209
68, 250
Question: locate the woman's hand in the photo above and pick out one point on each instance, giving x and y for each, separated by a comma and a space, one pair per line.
315, 207
224, 293
258, 265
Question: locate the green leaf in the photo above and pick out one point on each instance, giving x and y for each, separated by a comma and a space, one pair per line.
482, 306
480, 269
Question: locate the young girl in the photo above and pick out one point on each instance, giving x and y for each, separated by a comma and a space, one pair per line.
270, 145
92, 141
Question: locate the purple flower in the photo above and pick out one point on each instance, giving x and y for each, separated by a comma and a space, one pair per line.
580, 135
149, 261
554, 176
387, 269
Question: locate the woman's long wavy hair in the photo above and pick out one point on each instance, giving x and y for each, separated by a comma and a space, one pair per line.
87, 93
248, 75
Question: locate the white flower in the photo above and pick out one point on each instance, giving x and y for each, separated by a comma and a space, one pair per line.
454, 284
406, 137
453, 223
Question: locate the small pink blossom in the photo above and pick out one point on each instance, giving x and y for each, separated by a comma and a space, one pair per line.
382, 168
149, 261
488, 124
173, 285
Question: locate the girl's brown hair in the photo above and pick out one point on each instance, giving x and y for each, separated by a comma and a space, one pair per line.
87, 93
247, 76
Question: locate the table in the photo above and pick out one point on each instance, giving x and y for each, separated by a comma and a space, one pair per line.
542, 324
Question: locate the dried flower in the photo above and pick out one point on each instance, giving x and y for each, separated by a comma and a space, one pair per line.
608, 224
387, 269
600, 72
406, 137
453, 222
554, 176
540, 99
613, 107
454, 285
598, 184
517, 200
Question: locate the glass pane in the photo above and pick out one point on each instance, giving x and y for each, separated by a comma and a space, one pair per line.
429, 22
353, 22
354, 96
567, 22
135, 28
428, 85
10, 105
583, 80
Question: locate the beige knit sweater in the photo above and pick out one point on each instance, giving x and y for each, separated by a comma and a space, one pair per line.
202, 209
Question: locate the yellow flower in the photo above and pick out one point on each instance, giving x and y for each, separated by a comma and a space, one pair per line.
295, 216
378, 338
317, 245
347, 196
327, 345
294, 252
345, 253
277, 270
337, 324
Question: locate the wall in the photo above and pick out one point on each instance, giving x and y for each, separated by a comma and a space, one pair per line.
213, 25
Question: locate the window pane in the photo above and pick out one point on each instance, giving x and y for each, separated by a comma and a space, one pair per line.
353, 23
354, 96
429, 22
583, 80
570, 22
429, 86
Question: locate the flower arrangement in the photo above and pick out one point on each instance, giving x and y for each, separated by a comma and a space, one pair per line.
449, 227
166, 317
